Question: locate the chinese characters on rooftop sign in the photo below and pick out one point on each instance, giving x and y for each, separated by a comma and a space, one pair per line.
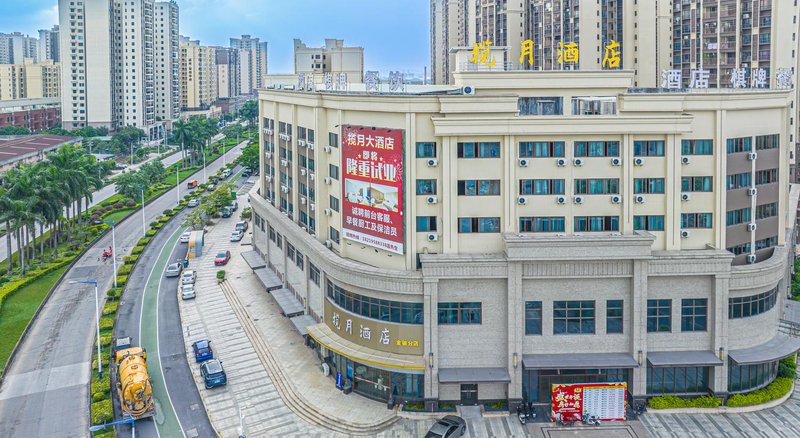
737, 78
568, 53
373, 187
372, 82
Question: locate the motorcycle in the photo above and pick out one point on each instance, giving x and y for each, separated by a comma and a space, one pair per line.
521, 414
561, 421
590, 420
640, 408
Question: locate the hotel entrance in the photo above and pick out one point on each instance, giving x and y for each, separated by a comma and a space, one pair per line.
541, 371
469, 394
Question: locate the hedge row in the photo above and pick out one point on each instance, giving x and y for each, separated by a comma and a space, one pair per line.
775, 390
10, 287
673, 402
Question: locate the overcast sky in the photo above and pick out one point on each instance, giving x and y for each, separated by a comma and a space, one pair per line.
394, 33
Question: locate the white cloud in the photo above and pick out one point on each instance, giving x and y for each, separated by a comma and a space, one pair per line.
47, 17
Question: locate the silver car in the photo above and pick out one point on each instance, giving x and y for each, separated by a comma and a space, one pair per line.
187, 291
188, 277
237, 235
173, 270
194, 202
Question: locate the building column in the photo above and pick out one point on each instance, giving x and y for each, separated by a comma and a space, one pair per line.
719, 323
516, 323
430, 299
638, 324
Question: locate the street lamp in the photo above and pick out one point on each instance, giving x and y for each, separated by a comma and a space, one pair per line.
97, 319
113, 248
116, 423
205, 178
144, 228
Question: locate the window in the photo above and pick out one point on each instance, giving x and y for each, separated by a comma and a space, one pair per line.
333, 171
681, 380
743, 378
272, 234
648, 185
767, 176
541, 224
481, 187
694, 314
614, 316
766, 210
659, 316
739, 216
648, 223
426, 150
313, 273
596, 148
459, 313
541, 187
299, 260
739, 249
739, 180
479, 150
594, 106
540, 106
696, 184
333, 139
596, 186
279, 242
766, 243
334, 202
696, 220
742, 144
479, 225
651, 148
596, 223
426, 223
533, 317
426, 187
745, 307
290, 251
375, 308
697, 147
767, 141
573, 317
334, 234
541, 149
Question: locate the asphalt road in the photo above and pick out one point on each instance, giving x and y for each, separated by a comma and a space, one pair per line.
49, 377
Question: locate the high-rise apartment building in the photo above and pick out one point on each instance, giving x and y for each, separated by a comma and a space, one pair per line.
333, 57
198, 72
228, 75
15, 47
109, 75
168, 60
253, 62
30, 80
48, 44
448, 29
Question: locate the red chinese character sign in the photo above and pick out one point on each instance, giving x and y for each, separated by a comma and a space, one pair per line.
372, 184
605, 401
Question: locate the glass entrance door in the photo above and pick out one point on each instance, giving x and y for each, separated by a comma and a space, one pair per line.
469, 394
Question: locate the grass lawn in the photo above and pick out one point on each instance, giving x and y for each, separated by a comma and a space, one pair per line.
118, 215
18, 309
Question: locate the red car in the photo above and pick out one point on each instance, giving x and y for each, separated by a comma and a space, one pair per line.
222, 258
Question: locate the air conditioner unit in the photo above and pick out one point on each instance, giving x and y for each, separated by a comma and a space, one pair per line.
561, 162
638, 161
433, 162
685, 233
752, 156
639, 199
284, 163
327, 149
433, 237
267, 131
522, 200
329, 243
751, 258
268, 178
311, 176
303, 172
301, 143
327, 180
752, 191
578, 162
685, 160
685, 197
267, 155
285, 189
751, 227
616, 162
312, 206
577, 200
310, 146
745, 15
328, 212
303, 201
561, 199
616, 199
284, 137
431, 199
523, 162
468, 89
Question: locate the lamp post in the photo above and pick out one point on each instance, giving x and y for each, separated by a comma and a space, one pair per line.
113, 248
144, 228
97, 319
205, 178
116, 423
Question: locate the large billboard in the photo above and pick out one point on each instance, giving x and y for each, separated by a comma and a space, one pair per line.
372, 184
605, 401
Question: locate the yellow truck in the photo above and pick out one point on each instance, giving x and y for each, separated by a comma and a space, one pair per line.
133, 382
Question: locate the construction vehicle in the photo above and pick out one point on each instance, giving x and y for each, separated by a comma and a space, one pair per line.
133, 382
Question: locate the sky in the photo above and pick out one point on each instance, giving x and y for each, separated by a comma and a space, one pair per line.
393, 33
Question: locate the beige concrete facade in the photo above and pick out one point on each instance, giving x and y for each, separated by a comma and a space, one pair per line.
198, 75
30, 80
334, 57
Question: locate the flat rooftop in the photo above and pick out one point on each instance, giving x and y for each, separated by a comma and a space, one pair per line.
17, 148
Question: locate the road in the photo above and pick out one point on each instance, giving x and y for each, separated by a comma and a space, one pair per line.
50, 374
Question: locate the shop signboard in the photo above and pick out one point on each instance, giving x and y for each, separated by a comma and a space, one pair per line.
372, 184
605, 401
377, 335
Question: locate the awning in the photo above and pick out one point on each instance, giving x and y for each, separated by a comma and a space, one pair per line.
288, 303
388, 361
302, 322
253, 260
578, 361
268, 279
474, 375
775, 349
683, 359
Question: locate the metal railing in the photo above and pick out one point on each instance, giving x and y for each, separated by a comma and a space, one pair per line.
790, 328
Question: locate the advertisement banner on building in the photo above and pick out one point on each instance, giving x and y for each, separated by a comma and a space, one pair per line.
374, 334
372, 187
605, 401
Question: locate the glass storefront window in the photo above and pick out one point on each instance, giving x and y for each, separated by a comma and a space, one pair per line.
743, 378
537, 384
375, 308
679, 380
376, 383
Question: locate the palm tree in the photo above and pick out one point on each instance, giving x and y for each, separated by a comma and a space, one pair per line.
6, 216
182, 133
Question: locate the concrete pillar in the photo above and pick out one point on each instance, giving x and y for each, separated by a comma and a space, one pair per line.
719, 324
516, 324
430, 299
638, 327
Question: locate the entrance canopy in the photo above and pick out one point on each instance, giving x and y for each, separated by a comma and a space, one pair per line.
578, 361
302, 322
268, 279
288, 303
474, 375
775, 349
683, 359
253, 260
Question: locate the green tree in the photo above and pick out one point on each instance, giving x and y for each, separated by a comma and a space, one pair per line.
128, 184
153, 172
249, 111
14, 130
249, 157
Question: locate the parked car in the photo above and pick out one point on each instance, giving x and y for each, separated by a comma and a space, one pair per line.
191, 184
120, 166
211, 188
215, 181
194, 202
222, 258
241, 226
234, 206
226, 212
237, 235
185, 236
226, 173
187, 291
188, 277
213, 373
447, 427
202, 350
245, 173
173, 270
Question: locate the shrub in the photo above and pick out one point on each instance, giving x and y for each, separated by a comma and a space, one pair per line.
98, 396
111, 294
121, 280
153, 224
775, 390
102, 412
673, 402
130, 203
129, 260
137, 250
124, 269
143, 241
167, 212
221, 275
110, 307
151, 233
106, 322
164, 219
119, 205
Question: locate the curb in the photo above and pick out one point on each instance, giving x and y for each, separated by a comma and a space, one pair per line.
727, 409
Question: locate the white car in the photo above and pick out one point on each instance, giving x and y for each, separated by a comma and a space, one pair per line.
194, 202
226, 173
185, 236
188, 277
187, 291
173, 270
237, 235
